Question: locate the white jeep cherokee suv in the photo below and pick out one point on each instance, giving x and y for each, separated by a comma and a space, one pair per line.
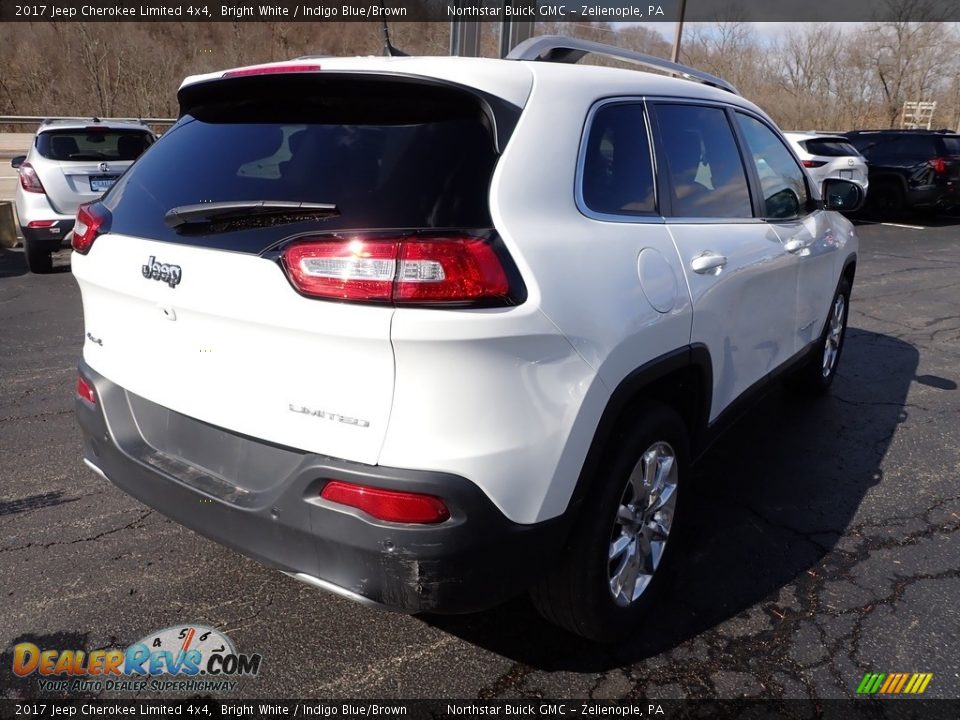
410, 328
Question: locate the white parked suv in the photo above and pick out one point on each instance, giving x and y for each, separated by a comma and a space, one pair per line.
431, 332
829, 156
71, 162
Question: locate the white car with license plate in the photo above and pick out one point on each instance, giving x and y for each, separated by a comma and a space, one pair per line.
70, 162
430, 332
829, 156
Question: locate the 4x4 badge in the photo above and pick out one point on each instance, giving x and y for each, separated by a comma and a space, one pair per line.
170, 274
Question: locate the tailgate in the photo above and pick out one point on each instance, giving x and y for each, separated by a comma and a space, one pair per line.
232, 344
69, 184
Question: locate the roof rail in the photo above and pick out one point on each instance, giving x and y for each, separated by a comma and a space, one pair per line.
557, 48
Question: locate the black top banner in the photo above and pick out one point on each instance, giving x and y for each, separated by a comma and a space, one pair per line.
865, 709
658, 11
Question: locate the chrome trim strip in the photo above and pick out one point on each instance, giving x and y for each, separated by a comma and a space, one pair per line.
343, 592
97, 470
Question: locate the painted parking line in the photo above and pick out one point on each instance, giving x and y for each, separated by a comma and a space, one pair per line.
890, 224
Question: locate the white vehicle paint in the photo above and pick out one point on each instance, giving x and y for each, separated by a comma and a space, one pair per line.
504, 400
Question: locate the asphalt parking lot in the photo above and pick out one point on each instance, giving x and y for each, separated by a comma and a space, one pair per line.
820, 540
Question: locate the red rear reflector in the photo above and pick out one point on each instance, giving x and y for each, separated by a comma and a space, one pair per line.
938, 164
814, 163
389, 505
412, 270
29, 180
85, 390
268, 69
41, 223
91, 222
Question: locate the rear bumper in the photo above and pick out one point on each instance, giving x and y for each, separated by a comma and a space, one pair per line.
48, 238
472, 561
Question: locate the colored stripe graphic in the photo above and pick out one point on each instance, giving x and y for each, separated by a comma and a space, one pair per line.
894, 683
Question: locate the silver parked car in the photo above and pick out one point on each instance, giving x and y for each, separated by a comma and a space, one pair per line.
829, 156
70, 163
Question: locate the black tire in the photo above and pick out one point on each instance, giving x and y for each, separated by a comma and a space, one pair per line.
887, 201
577, 595
814, 377
38, 261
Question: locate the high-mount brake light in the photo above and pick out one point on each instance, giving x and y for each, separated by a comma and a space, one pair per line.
270, 69
451, 269
92, 220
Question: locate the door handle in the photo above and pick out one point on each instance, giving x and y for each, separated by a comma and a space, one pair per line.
708, 262
794, 246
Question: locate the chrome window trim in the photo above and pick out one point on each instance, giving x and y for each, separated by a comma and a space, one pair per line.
653, 217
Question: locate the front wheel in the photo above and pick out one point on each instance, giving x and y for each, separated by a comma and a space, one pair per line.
816, 376
610, 573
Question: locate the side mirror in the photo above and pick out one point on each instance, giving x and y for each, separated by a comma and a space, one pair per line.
18, 161
842, 195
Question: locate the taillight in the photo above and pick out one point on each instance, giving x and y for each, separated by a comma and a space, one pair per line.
29, 180
85, 390
814, 163
938, 164
92, 220
389, 505
41, 224
270, 69
402, 270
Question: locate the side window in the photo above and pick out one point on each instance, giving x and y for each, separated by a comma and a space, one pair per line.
782, 181
707, 178
617, 176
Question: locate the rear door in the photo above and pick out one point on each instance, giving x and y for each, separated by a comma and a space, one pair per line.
222, 335
81, 164
742, 281
804, 228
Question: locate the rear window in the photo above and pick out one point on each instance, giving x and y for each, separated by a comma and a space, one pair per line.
93, 144
410, 158
830, 148
951, 145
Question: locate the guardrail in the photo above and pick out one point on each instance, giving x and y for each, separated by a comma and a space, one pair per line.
40, 119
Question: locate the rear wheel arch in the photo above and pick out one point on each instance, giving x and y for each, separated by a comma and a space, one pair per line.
681, 380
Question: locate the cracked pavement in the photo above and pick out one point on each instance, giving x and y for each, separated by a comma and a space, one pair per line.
817, 540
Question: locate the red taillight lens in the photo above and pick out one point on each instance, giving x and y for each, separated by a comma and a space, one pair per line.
389, 505
85, 390
938, 164
29, 180
343, 269
41, 224
404, 270
814, 163
449, 270
91, 221
269, 69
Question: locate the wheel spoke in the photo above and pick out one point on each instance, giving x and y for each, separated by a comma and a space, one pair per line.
619, 546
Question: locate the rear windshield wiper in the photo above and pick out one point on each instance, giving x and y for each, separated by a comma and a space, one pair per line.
234, 212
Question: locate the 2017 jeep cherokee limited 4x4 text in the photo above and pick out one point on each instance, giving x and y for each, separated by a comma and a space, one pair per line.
431, 332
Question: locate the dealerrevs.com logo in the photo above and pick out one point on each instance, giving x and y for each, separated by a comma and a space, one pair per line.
181, 658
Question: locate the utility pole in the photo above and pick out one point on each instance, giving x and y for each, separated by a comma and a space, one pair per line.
675, 55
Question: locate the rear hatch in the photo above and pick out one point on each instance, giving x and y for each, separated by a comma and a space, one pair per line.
835, 157
199, 311
81, 164
950, 167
